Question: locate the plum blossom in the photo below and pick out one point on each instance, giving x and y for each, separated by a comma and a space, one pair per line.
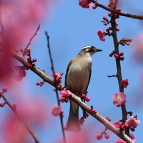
117, 124
132, 137
106, 136
85, 4
56, 110
99, 136
57, 76
119, 99
4, 89
125, 83
1, 104
64, 96
120, 141
116, 56
101, 35
93, 111
132, 122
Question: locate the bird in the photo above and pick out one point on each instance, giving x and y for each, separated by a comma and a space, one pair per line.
77, 79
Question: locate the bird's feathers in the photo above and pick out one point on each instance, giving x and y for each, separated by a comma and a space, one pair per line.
77, 79
78, 76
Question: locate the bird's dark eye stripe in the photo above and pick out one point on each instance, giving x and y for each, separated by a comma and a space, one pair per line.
90, 50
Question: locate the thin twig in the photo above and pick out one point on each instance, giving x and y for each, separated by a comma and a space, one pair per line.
118, 65
119, 13
2, 27
52, 67
74, 98
111, 76
24, 124
31, 39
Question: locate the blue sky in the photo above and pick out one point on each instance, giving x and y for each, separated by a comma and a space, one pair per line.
71, 28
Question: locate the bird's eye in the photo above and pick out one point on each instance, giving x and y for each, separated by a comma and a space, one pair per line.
92, 48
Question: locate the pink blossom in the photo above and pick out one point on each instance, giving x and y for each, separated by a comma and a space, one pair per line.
116, 23
14, 106
37, 83
122, 58
117, 29
132, 122
106, 136
126, 125
104, 18
108, 119
64, 127
117, 124
119, 99
85, 4
124, 39
124, 83
64, 96
132, 137
109, 14
101, 35
4, 89
105, 23
93, 111
1, 104
57, 76
83, 96
64, 93
87, 98
58, 86
99, 136
123, 128
119, 9
56, 110
121, 54
116, 56
85, 115
120, 141
63, 99
34, 60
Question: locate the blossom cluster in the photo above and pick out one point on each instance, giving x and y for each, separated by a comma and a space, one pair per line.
81, 120
64, 96
86, 4
27, 52
31, 62
57, 76
85, 97
100, 135
131, 123
120, 56
125, 41
4, 89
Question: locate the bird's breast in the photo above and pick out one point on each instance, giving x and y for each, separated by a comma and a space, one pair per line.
78, 76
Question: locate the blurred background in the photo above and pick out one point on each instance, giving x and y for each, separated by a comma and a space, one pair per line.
70, 28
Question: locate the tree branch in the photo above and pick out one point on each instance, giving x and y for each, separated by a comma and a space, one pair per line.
84, 106
24, 124
118, 65
2, 27
52, 64
119, 13
31, 39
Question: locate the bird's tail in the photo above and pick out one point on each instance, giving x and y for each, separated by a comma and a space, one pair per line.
73, 120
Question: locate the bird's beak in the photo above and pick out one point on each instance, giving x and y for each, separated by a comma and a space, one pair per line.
98, 50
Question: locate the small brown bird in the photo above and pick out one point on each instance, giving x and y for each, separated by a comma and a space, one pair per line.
77, 79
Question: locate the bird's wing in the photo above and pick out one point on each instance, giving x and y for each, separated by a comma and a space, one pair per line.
67, 72
89, 69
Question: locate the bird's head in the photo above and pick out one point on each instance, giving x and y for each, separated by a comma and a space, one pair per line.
88, 50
